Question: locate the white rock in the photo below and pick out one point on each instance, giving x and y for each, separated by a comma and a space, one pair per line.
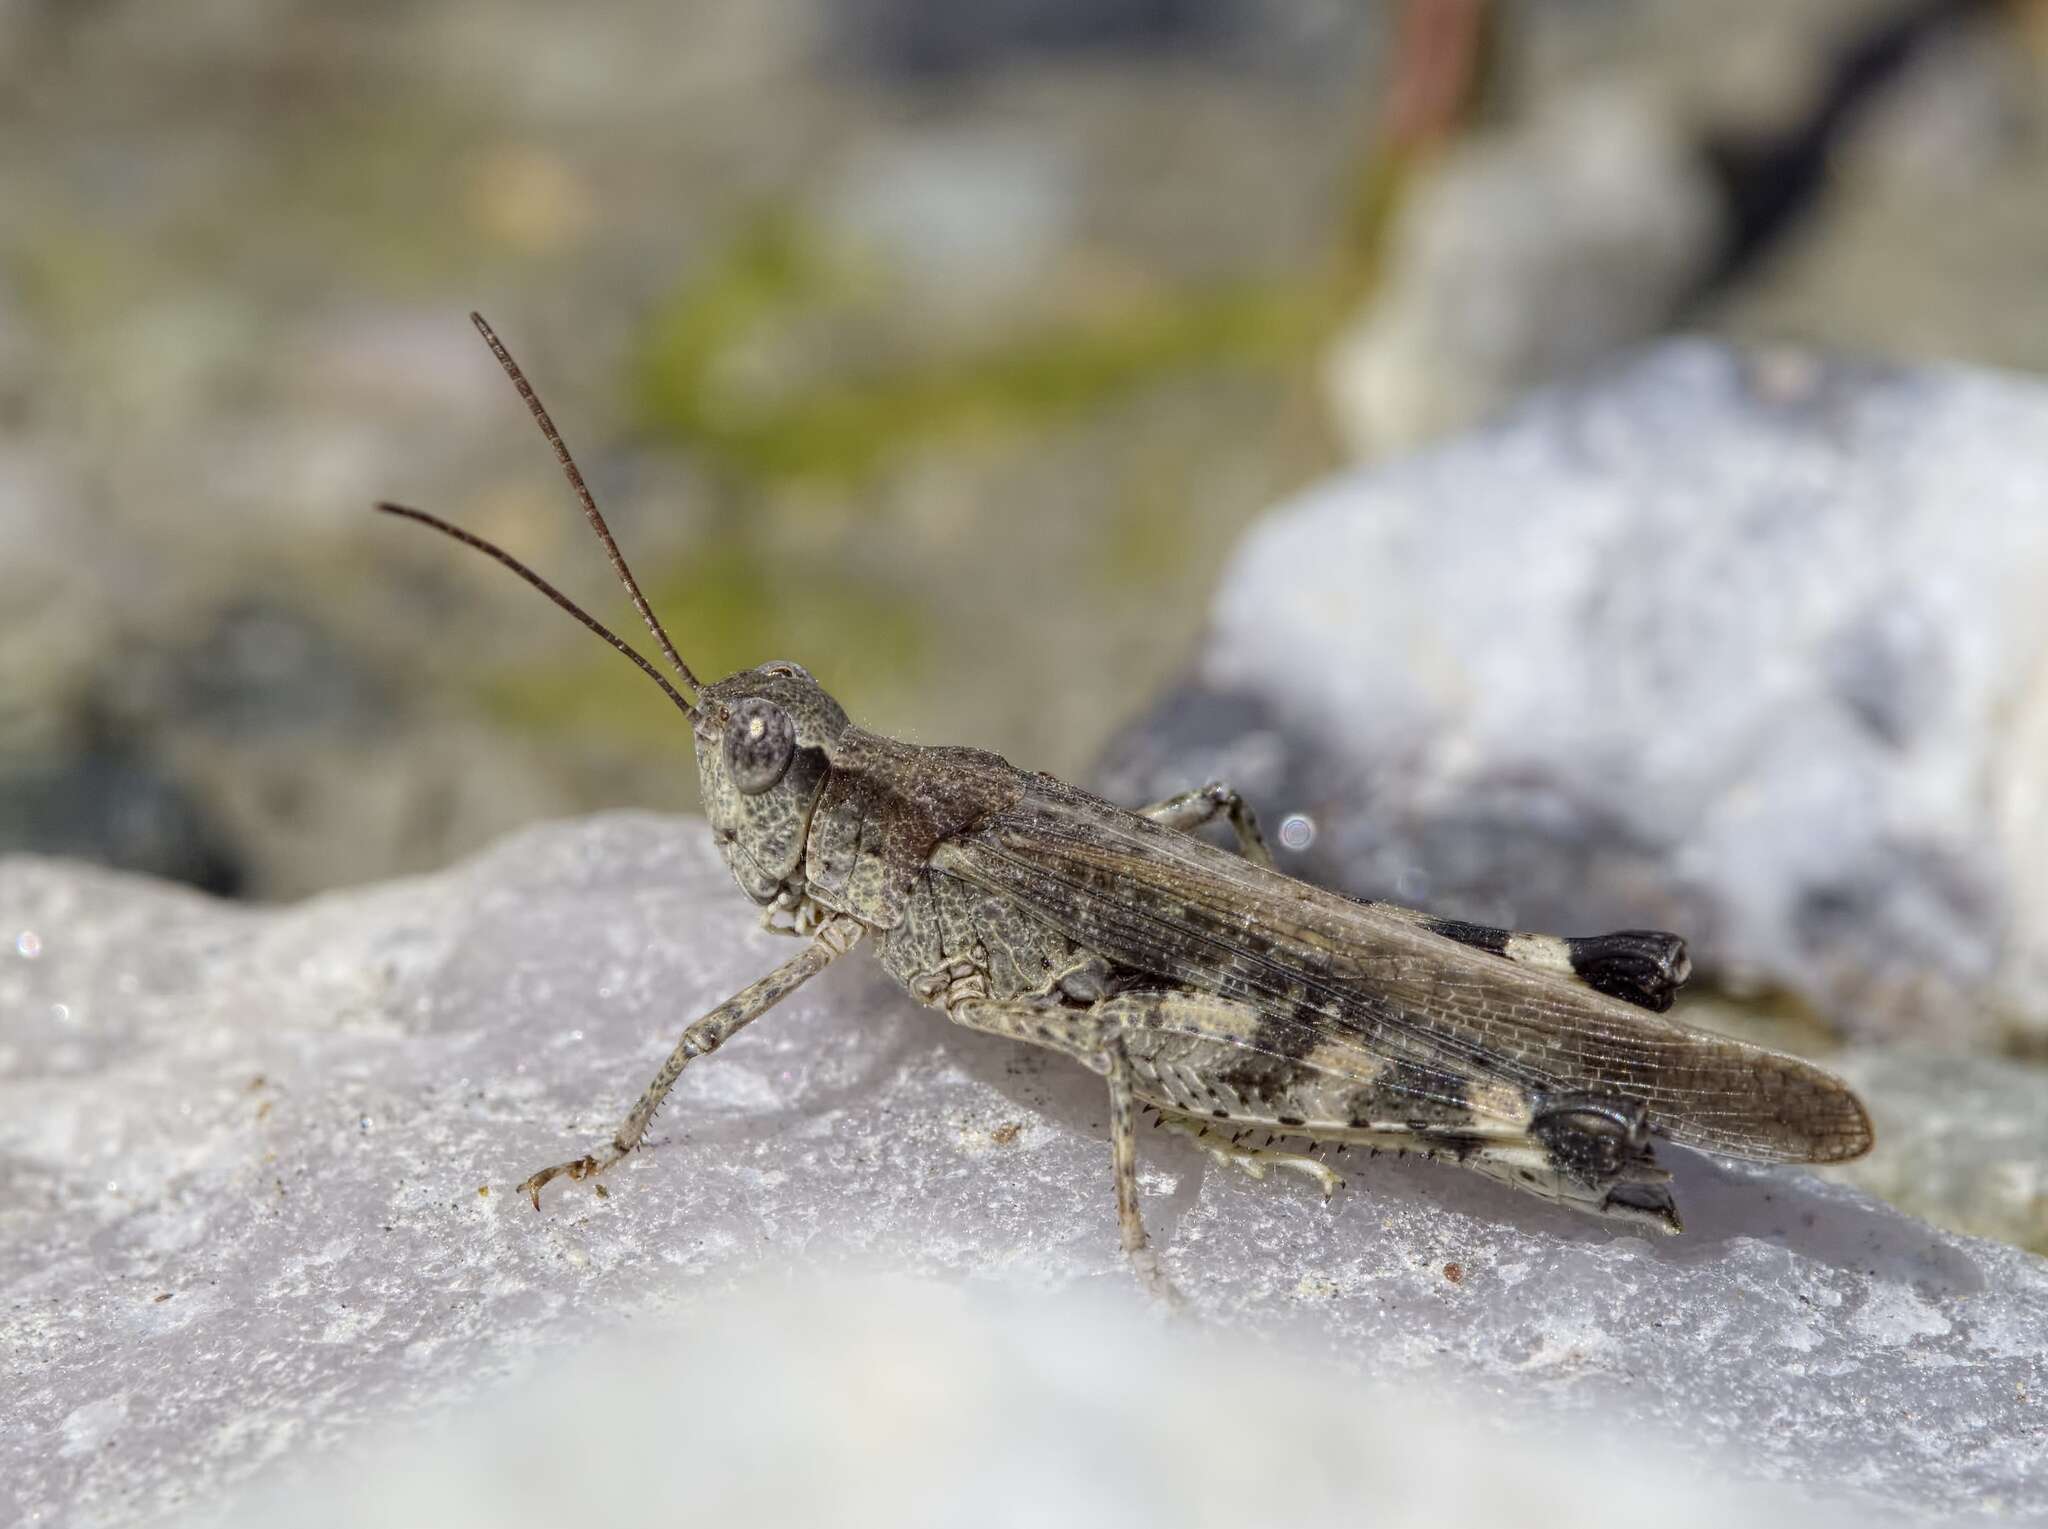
334, 1276
865, 1401
1750, 647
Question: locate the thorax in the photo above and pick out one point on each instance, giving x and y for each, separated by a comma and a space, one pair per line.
885, 809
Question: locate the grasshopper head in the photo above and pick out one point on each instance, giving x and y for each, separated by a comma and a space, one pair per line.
762, 737
761, 734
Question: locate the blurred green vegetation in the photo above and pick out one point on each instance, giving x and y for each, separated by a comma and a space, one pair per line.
843, 425
739, 607
838, 417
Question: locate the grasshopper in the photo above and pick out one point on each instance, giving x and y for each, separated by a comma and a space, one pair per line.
1201, 984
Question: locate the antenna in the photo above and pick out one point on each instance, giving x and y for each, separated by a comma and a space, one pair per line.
488, 549
590, 513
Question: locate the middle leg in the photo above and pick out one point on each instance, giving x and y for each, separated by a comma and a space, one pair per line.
1232, 1070
1205, 804
1081, 1035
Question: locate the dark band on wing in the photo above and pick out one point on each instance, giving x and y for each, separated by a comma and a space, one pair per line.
1432, 1096
1272, 1066
1645, 967
1478, 936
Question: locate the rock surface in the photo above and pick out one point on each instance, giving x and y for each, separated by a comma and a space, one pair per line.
1962, 1140
858, 1401
244, 1238
1748, 645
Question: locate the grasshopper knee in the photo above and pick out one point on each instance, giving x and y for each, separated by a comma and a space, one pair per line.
1593, 1138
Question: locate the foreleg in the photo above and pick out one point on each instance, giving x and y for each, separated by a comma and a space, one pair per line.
702, 1038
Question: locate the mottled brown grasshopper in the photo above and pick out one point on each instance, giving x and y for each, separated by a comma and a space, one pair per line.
1228, 997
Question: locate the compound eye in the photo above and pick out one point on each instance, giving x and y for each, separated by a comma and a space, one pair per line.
759, 743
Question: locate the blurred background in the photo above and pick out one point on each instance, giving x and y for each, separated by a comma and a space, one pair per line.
946, 349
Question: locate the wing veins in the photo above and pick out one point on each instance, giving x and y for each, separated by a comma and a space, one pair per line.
1172, 901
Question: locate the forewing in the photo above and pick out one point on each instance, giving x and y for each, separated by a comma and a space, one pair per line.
1178, 907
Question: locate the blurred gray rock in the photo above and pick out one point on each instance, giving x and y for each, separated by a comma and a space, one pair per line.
242, 747
911, 38
1524, 257
1961, 1140
257, 670
245, 1233
113, 805
1750, 646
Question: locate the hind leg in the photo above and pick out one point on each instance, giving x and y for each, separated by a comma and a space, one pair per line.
1227, 1149
1641, 1198
1227, 1068
1123, 1149
1084, 1036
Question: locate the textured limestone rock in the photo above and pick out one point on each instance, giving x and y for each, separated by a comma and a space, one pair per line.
860, 1401
244, 1239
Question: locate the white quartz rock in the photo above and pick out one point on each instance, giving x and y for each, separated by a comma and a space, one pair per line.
242, 1241
1748, 646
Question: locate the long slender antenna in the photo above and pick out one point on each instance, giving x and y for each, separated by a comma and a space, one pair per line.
590, 510
554, 594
